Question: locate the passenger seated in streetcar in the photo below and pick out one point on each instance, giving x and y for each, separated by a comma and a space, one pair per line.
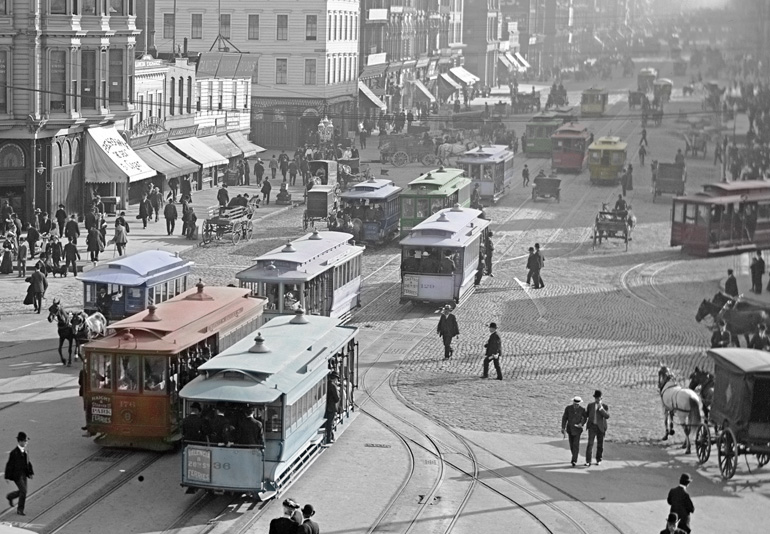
248, 429
411, 264
290, 301
430, 263
447, 264
379, 213
220, 429
193, 424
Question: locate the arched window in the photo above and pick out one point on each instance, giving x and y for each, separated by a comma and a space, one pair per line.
181, 95
171, 96
66, 153
189, 94
56, 149
76, 155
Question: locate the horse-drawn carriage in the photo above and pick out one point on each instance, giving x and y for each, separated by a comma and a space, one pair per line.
645, 79
661, 90
222, 223
613, 224
653, 116
546, 188
636, 99
695, 142
321, 203
526, 102
740, 410
402, 149
667, 178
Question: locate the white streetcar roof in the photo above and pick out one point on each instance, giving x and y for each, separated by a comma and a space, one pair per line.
376, 189
450, 227
136, 269
489, 152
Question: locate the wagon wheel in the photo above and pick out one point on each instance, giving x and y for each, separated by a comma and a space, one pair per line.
400, 158
727, 453
703, 443
762, 459
305, 220
207, 236
249, 230
429, 159
237, 231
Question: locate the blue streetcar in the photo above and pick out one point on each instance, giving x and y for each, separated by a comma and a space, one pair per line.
374, 209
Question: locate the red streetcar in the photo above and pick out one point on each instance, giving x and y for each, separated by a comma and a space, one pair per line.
570, 147
134, 375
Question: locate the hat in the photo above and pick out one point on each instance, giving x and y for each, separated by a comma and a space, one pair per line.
685, 479
308, 510
729, 271
334, 376
37, 210
195, 406
672, 518
492, 325
597, 393
21, 437
577, 399
446, 307
289, 503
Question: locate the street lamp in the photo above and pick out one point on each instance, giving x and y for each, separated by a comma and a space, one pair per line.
325, 130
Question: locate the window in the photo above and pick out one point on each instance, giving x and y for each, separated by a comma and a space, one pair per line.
211, 96
101, 373
196, 26
253, 28
344, 27
58, 7
310, 68
140, 104
311, 28
116, 7
116, 77
235, 95
224, 26
155, 374
281, 71
89, 7
88, 78
329, 26
128, 373
221, 94
282, 28
3, 81
198, 97
149, 105
169, 25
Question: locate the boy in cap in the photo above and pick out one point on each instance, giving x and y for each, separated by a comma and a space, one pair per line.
671, 527
18, 469
308, 525
493, 348
596, 416
447, 329
572, 422
680, 502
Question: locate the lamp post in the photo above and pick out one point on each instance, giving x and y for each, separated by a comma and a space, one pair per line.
325, 130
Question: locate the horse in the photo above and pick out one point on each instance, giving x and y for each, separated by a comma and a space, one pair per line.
63, 318
739, 322
78, 327
702, 382
447, 150
681, 402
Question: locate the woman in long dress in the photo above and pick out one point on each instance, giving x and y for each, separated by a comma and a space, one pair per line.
9, 251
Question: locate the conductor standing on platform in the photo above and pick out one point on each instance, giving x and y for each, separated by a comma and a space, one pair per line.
493, 349
447, 329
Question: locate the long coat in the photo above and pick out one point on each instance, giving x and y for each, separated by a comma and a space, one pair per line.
94, 241
18, 465
573, 419
447, 326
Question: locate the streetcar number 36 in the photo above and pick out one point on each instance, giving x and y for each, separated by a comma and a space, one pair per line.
219, 465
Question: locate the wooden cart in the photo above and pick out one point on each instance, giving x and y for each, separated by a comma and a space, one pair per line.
668, 178
610, 224
402, 149
223, 223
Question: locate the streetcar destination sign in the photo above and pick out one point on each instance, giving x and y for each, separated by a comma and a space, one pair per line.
198, 464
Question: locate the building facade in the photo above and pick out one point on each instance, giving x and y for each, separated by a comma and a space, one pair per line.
65, 65
481, 33
307, 58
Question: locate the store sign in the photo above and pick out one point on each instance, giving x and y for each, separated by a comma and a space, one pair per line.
205, 131
184, 131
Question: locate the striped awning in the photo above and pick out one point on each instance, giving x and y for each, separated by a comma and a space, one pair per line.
464, 76
521, 60
376, 102
506, 62
422, 92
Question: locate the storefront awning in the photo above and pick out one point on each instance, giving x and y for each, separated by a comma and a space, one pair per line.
506, 62
422, 92
521, 60
373, 71
446, 78
422, 62
182, 165
517, 65
371, 97
464, 76
156, 162
223, 145
194, 149
248, 148
109, 159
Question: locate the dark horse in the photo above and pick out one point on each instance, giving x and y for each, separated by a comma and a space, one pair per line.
702, 382
75, 327
739, 322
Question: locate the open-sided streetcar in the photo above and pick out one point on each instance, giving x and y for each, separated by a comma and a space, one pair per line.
606, 158
280, 377
134, 375
570, 147
319, 272
433, 191
593, 102
440, 257
374, 210
491, 169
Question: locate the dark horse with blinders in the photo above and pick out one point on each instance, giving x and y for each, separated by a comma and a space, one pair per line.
75, 327
739, 321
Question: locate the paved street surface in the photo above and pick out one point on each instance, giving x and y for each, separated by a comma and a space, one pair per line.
606, 319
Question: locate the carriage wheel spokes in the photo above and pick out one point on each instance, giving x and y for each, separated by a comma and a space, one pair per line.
703, 443
763, 458
429, 159
237, 232
249, 230
400, 158
727, 453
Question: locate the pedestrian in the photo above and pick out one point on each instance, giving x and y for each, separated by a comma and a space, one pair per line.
266, 187
283, 163
192, 224
525, 176
759, 340
120, 238
259, 171
681, 503
671, 527
33, 236
757, 269
71, 255
717, 153
362, 138
21, 259
6, 213
185, 189
572, 423
145, 210
493, 351
61, 218
597, 415
721, 337
246, 173
489, 249
38, 284
642, 154
532, 266
89, 220
94, 244
55, 251
273, 164
284, 524
731, 284
643, 140
332, 400
17, 470
173, 185
447, 329
171, 215
624, 180
308, 525
539, 284
156, 201
304, 170
223, 196
293, 169
630, 177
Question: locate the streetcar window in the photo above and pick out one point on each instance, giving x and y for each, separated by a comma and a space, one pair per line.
703, 215
155, 374
618, 157
763, 211
101, 371
90, 293
271, 292
274, 423
690, 213
128, 373
436, 205
422, 208
407, 207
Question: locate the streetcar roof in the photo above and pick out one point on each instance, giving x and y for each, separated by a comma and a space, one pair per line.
437, 177
741, 360
308, 256
608, 143
484, 154
138, 269
571, 129
595, 90
373, 189
452, 228
742, 186
297, 357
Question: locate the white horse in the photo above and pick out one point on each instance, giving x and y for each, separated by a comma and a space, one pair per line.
679, 401
448, 150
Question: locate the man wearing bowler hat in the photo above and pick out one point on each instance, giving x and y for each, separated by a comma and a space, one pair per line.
680, 502
448, 329
671, 527
308, 525
493, 348
597, 415
18, 470
572, 426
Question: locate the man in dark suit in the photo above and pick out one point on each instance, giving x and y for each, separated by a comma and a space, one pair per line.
332, 402
757, 269
18, 470
731, 284
192, 424
680, 502
671, 522
308, 525
572, 425
71, 230
284, 524
39, 285
447, 329
596, 415
171, 215
493, 350
721, 337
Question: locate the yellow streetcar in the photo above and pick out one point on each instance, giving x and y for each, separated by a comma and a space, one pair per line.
606, 158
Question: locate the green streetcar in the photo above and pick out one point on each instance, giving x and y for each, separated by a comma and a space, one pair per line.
433, 191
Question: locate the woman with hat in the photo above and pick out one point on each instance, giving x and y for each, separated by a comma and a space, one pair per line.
447, 329
9, 251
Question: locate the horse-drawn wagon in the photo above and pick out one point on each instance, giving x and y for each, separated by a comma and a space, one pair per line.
695, 142
613, 224
668, 178
222, 223
402, 149
636, 99
321, 203
546, 188
740, 410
